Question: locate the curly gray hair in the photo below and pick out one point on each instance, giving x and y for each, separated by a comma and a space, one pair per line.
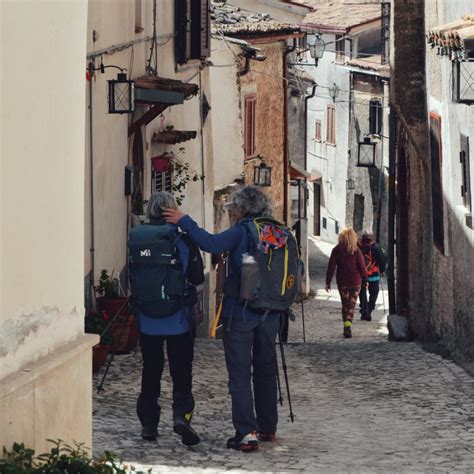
251, 201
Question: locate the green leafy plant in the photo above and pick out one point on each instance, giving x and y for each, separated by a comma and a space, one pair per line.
96, 323
182, 174
108, 287
61, 459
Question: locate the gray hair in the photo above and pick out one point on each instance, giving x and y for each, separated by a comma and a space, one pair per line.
252, 202
367, 235
158, 203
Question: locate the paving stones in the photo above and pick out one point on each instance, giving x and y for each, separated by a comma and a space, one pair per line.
361, 405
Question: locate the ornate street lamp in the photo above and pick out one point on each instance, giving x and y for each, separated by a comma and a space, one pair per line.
121, 94
262, 175
366, 156
316, 48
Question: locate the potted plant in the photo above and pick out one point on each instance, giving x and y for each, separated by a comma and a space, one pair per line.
112, 304
94, 323
161, 163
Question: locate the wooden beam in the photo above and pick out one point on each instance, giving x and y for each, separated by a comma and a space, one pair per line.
147, 117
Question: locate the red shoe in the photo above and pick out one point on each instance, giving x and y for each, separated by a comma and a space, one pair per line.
267, 436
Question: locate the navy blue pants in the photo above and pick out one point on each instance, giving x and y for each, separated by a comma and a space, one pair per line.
180, 351
367, 306
249, 347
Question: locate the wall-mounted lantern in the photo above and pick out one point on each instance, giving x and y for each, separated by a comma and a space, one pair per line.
463, 82
350, 184
334, 92
262, 175
366, 156
316, 47
121, 95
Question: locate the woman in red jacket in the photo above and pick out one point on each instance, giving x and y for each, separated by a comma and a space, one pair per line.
350, 276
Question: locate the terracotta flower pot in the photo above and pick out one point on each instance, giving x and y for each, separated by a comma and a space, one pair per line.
99, 356
112, 306
160, 164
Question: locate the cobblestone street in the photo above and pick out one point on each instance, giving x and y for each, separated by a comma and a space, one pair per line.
360, 405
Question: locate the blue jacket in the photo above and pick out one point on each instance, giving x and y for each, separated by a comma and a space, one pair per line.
177, 323
233, 240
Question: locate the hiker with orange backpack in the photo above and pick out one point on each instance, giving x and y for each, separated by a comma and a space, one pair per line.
261, 284
375, 264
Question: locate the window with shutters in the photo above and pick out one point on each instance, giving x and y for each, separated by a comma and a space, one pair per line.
340, 49
436, 181
466, 178
375, 117
331, 125
250, 117
192, 30
162, 182
317, 130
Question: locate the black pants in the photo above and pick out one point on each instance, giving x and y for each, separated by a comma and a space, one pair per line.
366, 307
180, 350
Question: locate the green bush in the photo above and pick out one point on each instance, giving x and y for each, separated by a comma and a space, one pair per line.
62, 459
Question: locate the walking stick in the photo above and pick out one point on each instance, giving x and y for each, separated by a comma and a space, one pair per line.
285, 373
302, 318
383, 295
280, 396
114, 346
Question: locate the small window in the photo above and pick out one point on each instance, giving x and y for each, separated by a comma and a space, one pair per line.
331, 125
436, 181
325, 223
466, 178
317, 130
340, 49
138, 16
162, 182
250, 117
375, 117
192, 30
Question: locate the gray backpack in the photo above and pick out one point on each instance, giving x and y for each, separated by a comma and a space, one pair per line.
271, 269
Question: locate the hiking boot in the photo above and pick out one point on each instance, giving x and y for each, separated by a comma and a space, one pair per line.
266, 436
149, 433
366, 317
188, 436
347, 332
247, 443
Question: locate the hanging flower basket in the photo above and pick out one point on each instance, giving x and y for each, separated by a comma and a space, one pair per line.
160, 163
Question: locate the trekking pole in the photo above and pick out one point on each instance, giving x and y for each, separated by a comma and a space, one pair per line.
285, 373
115, 344
383, 295
302, 318
280, 396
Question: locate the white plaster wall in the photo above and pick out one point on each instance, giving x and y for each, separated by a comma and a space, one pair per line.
114, 22
227, 130
327, 160
42, 177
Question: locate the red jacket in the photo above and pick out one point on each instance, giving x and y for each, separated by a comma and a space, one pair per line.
351, 269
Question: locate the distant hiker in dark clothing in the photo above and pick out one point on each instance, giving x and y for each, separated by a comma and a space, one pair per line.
182, 265
249, 335
350, 277
375, 265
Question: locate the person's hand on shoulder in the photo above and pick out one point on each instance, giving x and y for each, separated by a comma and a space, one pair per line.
172, 216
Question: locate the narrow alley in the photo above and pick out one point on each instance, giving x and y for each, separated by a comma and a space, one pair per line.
360, 405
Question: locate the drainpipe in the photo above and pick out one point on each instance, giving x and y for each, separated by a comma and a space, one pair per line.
306, 99
285, 132
91, 165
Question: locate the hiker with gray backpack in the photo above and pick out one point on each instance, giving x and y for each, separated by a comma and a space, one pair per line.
262, 282
164, 267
